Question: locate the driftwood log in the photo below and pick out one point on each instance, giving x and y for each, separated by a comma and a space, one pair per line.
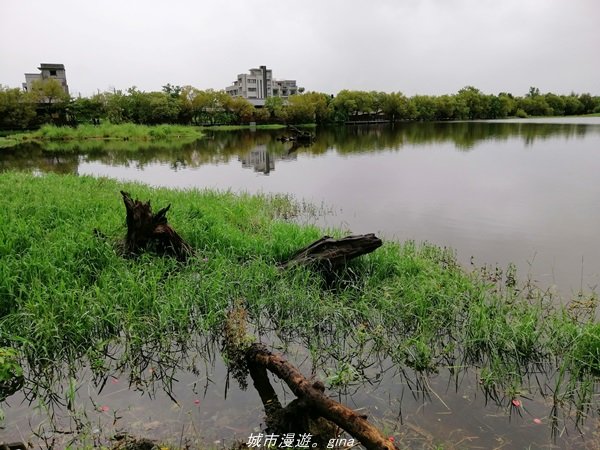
146, 230
329, 253
311, 401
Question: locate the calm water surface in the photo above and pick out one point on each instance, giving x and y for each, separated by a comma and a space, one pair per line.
525, 192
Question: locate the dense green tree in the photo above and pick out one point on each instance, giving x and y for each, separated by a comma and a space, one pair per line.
241, 110
506, 105
345, 105
51, 100
186, 108
556, 103
572, 105
477, 104
588, 103
116, 107
49, 91
17, 108
365, 102
212, 107
86, 110
446, 108
535, 105
376, 101
396, 106
275, 107
300, 109
261, 115
323, 111
424, 106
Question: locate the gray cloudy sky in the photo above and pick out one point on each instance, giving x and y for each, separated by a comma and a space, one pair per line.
413, 46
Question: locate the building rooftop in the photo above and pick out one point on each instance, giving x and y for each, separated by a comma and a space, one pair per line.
51, 66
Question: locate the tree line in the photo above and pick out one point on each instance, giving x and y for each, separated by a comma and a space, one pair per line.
46, 102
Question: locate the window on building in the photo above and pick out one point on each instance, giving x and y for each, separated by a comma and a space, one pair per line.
52, 73
251, 89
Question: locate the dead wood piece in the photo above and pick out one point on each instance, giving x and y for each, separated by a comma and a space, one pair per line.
146, 230
329, 253
311, 396
299, 136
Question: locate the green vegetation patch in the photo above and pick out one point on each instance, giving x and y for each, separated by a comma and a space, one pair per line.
6, 142
107, 131
66, 293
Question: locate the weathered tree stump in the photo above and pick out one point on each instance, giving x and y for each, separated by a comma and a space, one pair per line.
329, 253
149, 231
311, 403
299, 136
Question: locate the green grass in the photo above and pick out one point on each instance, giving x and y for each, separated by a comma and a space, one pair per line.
66, 295
6, 142
105, 132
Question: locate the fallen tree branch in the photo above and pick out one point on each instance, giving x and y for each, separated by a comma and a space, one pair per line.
312, 397
329, 253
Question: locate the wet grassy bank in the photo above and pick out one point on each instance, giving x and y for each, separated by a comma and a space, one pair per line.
104, 132
67, 295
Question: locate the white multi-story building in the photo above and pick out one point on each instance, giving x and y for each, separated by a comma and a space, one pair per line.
259, 84
47, 72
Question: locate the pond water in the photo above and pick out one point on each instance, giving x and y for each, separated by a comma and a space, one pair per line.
522, 192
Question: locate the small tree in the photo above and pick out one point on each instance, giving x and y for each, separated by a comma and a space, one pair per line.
275, 107
51, 98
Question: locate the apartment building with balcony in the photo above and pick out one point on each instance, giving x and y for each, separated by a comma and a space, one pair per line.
259, 84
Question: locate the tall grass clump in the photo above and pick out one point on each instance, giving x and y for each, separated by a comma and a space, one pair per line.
67, 294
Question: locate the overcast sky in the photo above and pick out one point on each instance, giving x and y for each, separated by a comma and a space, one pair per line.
413, 46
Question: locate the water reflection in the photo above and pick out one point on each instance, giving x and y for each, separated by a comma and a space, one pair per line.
249, 147
181, 394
